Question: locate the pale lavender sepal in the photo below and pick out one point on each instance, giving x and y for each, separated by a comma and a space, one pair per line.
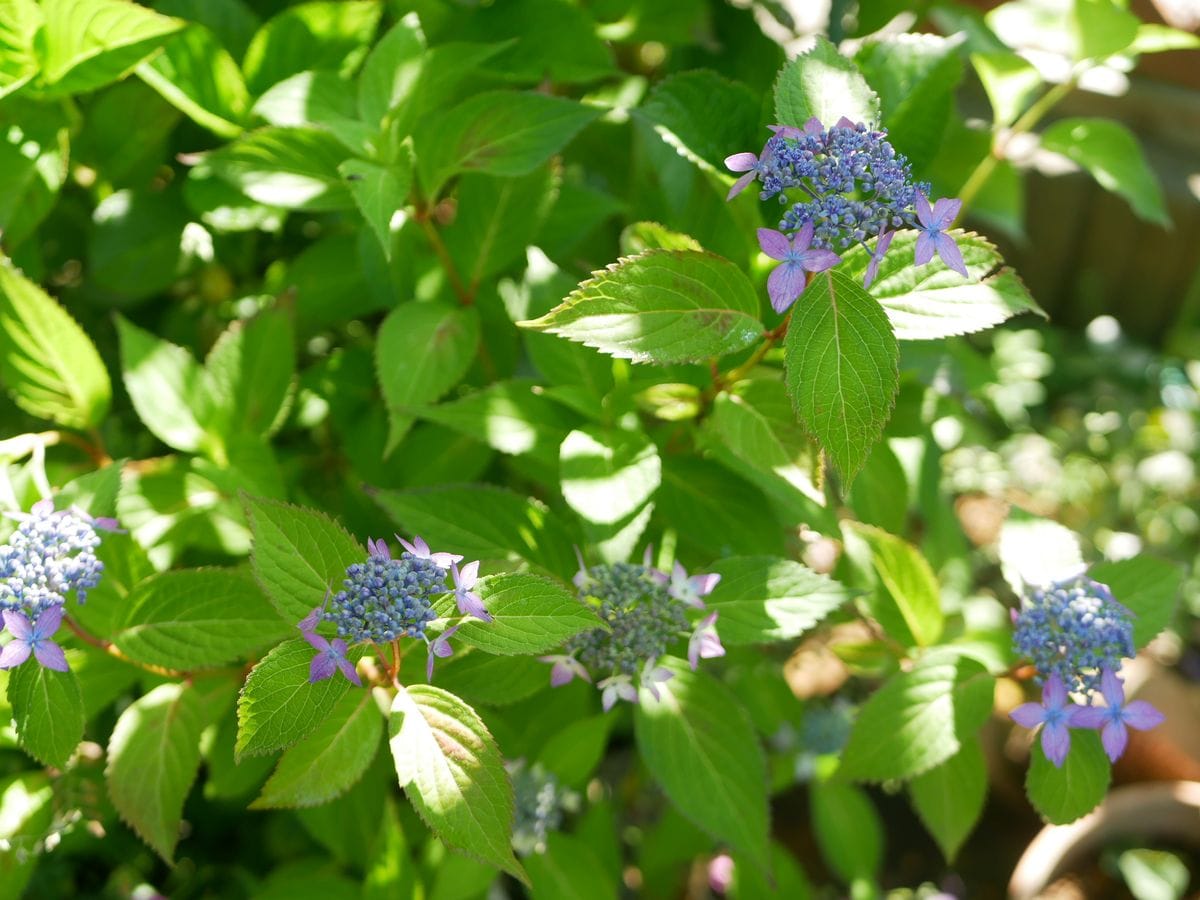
1027, 715
618, 687
774, 243
740, 185
785, 284
1141, 715
20, 626
950, 254
741, 162
50, 655
439, 648
13, 654
321, 667
653, 676
1056, 742
881, 247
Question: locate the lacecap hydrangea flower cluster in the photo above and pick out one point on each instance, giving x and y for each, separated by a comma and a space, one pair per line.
1077, 634
646, 611
840, 186
384, 599
50, 555
541, 803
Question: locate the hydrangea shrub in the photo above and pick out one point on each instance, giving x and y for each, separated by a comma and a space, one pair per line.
647, 487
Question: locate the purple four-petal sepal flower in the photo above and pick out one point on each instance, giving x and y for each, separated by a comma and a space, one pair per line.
687, 589
881, 248
653, 675
1115, 719
331, 655
33, 638
1055, 714
704, 642
934, 223
420, 549
614, 688
787, 281
469, 602
565, 668
439, 648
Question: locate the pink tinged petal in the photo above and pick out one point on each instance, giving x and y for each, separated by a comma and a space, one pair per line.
42, 508
785, 285
581, 577
1115, 738
445, 560
50, 655
15, 653
322, 667
1141, 715
711, 646
945, 211
1089, 717
608, 698
819, 260
741, 162
813, 126
1028, 715
378, 548
803, 237
703, 585
1056, 742
648, 557
740, 185
925, 248
20, 626
1112, 688
773, 243
924, 213
843, 122
1054, 694
417, 548
950, 254
561, 674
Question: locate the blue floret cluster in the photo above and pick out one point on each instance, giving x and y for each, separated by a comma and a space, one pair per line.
383, 599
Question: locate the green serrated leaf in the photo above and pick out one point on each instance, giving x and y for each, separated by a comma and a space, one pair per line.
192, 618
931, 301
379, 191
949, 798
608, 475
85, 44
762, 599
716, 510
47, 709
311, 36
481, 678
848, 829
704, 116
299, 555
330, 760
153, 758
574, 752
915, 75
483, 522
1062, 795
700, 745
291, 168
824, 84
200, 78
451, 769
47, 361
496, 132
392, 70
497, 219
754, 421
251, 367
568, 870
20, 21
421, 351
1010, 82
1111, 153
170, 391
514, 417
639, 237
1147, 587
918, 719
278, 706
533, 614
1101, 28
911, 587
34, 152
660, 307
842, 368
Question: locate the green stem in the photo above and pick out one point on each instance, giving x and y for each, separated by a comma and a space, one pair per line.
733, 376
987, 166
